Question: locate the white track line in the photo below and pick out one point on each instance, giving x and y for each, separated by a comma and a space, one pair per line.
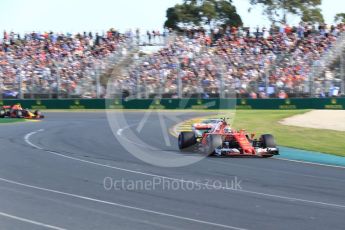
121, 205
27, 139
293, 199
119, 132
30, 221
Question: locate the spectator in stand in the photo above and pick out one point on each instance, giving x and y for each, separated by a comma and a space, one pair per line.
282, 94
149, 36
51, 62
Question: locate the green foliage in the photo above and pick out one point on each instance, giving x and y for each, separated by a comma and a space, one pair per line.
313, 15
276, 10
340, 17
11, 120
172, 17
202, 12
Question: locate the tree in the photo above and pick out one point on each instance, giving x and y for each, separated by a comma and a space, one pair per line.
277, 10
313, 15
202, 12
172, 16
340, 18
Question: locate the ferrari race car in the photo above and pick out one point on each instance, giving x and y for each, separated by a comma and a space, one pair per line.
16, 111
221, 140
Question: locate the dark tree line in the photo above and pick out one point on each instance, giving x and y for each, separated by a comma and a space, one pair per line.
215, 13
202, 13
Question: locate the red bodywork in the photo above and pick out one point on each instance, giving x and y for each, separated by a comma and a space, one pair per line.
241, 137
243, 142
203, 126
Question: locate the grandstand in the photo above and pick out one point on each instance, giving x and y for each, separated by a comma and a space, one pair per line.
301, 61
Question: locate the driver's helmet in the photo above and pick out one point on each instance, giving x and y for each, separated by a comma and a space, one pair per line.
227, 129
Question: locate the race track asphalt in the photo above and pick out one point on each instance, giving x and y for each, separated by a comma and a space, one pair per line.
52, 176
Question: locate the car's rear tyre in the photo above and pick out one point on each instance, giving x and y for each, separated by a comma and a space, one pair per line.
2, 113
214, 141
186, 140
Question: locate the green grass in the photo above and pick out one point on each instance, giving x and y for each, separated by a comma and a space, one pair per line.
267, 121
11, 120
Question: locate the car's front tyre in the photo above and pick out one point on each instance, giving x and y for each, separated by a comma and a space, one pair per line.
214, 141
267, 141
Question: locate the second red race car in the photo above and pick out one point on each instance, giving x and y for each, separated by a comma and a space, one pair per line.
221, 140
16, 111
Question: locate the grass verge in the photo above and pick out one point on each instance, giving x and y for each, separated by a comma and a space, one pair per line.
11, 120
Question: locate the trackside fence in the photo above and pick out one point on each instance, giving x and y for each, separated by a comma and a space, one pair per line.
282, 104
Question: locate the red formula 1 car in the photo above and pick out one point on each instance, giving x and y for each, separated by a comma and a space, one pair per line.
16, 111
221, 140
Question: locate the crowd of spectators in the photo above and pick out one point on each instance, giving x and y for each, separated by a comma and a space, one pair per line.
51, 63
248, 62
259, 62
